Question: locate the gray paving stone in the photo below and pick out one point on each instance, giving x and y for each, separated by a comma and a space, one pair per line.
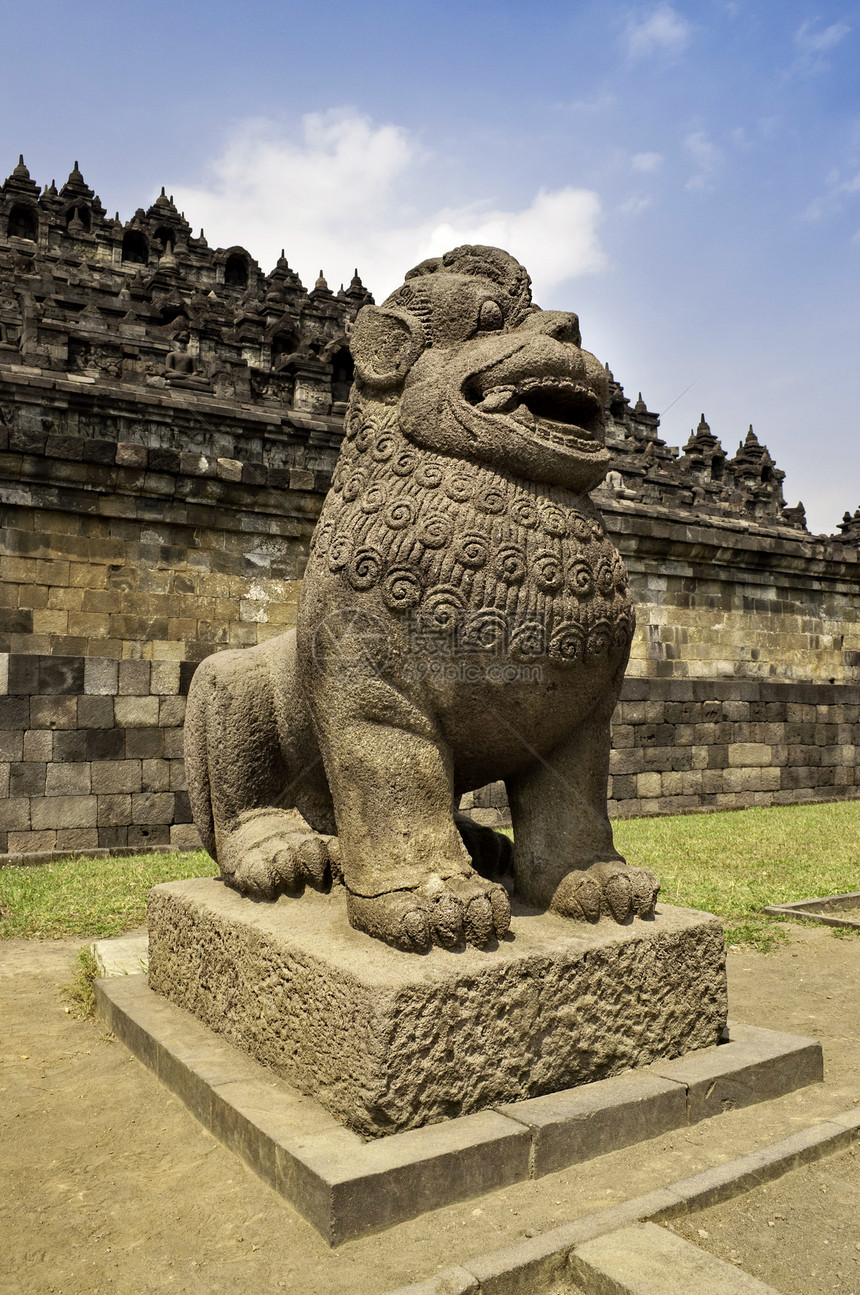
726, 1181
125, 955
757, 1065
644, 1259
580, 1123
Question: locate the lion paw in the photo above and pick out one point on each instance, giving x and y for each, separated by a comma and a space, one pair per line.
270, 851
610, 889
446, 913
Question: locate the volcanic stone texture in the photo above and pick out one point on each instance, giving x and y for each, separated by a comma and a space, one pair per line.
389, 1041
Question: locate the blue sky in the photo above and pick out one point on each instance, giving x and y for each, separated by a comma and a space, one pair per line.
685, 176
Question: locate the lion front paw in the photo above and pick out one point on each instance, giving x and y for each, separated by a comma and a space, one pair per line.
461, 910
270, 851
611, 889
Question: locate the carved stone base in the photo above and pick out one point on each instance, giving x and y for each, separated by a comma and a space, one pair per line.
388, 1041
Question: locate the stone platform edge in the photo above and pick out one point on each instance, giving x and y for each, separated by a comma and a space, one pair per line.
551, 1261
346, 1187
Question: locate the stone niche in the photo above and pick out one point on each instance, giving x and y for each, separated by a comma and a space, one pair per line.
388, 1042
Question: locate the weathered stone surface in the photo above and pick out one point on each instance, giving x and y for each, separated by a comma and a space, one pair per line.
387, 1042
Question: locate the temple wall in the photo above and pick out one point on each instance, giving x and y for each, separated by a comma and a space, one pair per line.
729, 601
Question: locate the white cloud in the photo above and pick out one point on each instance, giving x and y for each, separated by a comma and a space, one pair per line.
646, 161
832, 201
555, 238
707, 157
810, 41
347, 193
813, 42
660, 30
635, 203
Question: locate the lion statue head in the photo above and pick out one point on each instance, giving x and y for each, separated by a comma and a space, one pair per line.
482, 373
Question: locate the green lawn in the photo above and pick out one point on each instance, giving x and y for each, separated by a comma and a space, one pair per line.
89, 897
733, 864
729, 864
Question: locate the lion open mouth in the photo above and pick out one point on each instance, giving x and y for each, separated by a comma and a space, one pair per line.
556, 409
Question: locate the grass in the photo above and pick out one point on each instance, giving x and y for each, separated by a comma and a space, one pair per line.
733, 864
729, 864
88, 897
79, 991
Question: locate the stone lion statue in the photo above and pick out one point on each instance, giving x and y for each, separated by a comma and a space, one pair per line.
464, 618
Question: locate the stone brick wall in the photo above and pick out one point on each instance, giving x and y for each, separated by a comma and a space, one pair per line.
731, 599
91, 754
684, 745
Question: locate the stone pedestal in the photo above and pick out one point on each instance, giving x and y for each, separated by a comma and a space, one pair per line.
388, 1041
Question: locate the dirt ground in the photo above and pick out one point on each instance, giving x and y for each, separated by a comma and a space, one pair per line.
109, 1184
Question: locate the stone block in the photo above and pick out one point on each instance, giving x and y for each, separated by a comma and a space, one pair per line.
114, 811
184, 836
101, 676
15, 813
171, 712
145, 837
53, 712
173, 744
70, 745
61, 675
31, 842
747, 754
644, 1259
129, 455
759, 1065
144, 743
580, 1123
115, 776
164, 678
105, 743
386, 1041
133, 679
95, 712
14, 713
152, 808
63, 811
136, 712
38, 744
22, 674
77, 838
67, 779
112, 838
649, 785
26, 779
155, 775
757, 778
11, 743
